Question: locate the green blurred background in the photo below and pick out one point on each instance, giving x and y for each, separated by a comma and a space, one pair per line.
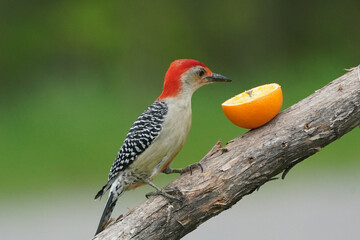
74, 75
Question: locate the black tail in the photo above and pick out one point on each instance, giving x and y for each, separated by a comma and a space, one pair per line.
110, 204
105, 188
102, 191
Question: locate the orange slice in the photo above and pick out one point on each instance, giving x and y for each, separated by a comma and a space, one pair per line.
255, 107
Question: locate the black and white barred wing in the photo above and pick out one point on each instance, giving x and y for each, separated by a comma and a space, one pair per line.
141, 134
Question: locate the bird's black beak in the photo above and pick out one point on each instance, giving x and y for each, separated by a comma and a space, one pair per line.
217, 78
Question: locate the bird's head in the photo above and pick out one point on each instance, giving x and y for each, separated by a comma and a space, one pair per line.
187, 75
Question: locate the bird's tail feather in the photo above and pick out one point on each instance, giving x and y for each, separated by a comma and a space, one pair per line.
105, 188
110, 204
102, 191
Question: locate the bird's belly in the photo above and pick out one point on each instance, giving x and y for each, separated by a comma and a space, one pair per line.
164, 148
159, 154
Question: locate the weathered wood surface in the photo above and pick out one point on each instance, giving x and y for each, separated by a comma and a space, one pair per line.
247, 162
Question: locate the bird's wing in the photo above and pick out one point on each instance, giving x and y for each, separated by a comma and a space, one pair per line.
141, 134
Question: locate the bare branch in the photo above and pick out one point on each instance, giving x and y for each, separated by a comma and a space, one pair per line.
247, 162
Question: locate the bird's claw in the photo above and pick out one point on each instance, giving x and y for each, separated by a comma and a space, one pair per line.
271, 179
165, 193
286, 171
195, 165
184, 170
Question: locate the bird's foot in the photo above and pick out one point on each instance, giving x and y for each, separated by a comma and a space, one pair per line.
189, 168
286, 171
172, 194
271, 179
164, 193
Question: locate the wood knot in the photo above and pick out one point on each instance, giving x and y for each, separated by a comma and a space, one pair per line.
306, 126
340, 88
284, 144
224, 150
250, 159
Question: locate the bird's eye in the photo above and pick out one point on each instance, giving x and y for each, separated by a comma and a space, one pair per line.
201, 72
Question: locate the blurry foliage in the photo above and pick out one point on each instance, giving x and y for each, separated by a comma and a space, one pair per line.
74, 75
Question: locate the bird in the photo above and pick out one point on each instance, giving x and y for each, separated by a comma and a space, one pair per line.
157, 135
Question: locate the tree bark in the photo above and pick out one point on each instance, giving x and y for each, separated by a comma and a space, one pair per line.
246, 163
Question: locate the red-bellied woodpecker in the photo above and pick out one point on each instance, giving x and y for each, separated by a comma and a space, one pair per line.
157, 136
